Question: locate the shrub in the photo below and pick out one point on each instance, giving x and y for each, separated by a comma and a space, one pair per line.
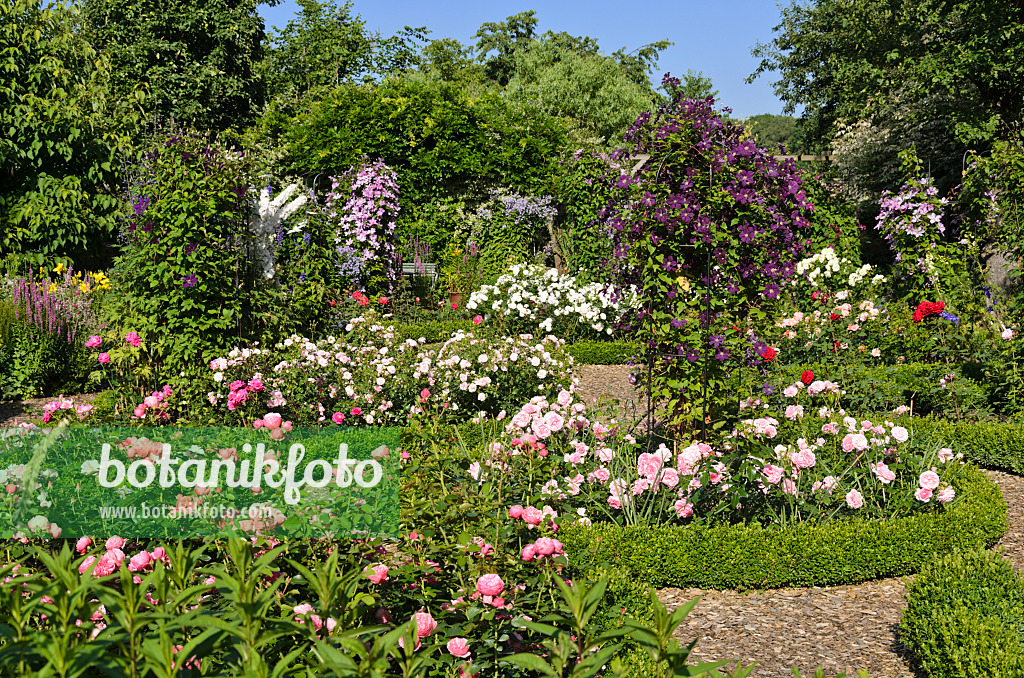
182, 281
964, 616
989, 444
434, 332
603, 352
801, 554
538, 299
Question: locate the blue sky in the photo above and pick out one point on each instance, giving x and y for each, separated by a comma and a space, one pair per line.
713, 36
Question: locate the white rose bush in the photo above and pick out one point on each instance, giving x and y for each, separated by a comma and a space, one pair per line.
532, 299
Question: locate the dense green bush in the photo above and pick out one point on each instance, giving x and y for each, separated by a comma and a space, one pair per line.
886, 387
964, 616
989, 444
803, 554
435, 332
603, 352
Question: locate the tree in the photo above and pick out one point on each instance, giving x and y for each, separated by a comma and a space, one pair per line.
946, 70
569, 78
504, 38
771, 131
197, 58
62, 131
326, 46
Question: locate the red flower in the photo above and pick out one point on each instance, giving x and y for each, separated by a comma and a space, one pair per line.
927, 308
834, 316
807, 377
383, 300
331, 302
768, 355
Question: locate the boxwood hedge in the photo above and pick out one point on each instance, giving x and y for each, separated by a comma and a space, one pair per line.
828, 554
965, 615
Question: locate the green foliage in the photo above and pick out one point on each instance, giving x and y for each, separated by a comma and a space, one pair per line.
939, 75
326, 46
833, 221
592, 91
62, 130
989, 444
883, 388
504, 39
603, 352
442, 143
802, 554
964, 616
771, 131
435, 332
182, 281
693, 85
583, 189
196, 60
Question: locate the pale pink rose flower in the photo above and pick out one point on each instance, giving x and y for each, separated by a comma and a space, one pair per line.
86, 564
114, 542
945, 454
516, 512
458, 647
606, 454
542, 430
532, 515
772, 473
378, 573
564, 398
923, 494
272, 420
929, 480
554, 420
945, 495
670, 477
83, 544
854, 499
139, 561
883, 473
302, 609
684, 509
900, 434
790, 391
803, 459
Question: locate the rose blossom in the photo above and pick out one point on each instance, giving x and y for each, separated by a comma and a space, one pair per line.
425, 624
82, 544
378, 573
458, 647
929, 480
490, 584
93, 341
900, 434
923, 494
945, 495
854, 499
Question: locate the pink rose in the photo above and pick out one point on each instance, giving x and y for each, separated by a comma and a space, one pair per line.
356, 411
773, 474
105, 565
133, 339
114, 543
86, 564
532, 515
272, 420
93, 341
929, 480
544, 546
900, 434
83, 544
854, 499
139, 561
379, 574
458, 647
883, 472
670, 477
684, 509
478, 319
160, 554
425, 624
338, 418
491, 584
424, 394
528, 553
516, 512
945, 454
104, 358
923, 494
945, 495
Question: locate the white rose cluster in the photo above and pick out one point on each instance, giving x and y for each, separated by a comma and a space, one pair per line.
533, 298
823, 266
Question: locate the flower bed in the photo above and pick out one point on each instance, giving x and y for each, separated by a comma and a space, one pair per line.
804, 554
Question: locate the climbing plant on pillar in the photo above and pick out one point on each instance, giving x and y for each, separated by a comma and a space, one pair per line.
710, 229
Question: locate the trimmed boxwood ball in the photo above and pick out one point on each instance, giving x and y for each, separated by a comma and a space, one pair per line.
964, 615
829, 554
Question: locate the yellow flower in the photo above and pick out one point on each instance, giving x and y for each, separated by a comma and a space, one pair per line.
84, 287
60, 269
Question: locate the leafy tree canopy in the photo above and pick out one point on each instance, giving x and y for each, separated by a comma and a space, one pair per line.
197, 58
326, 46
61, 134
769, 131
